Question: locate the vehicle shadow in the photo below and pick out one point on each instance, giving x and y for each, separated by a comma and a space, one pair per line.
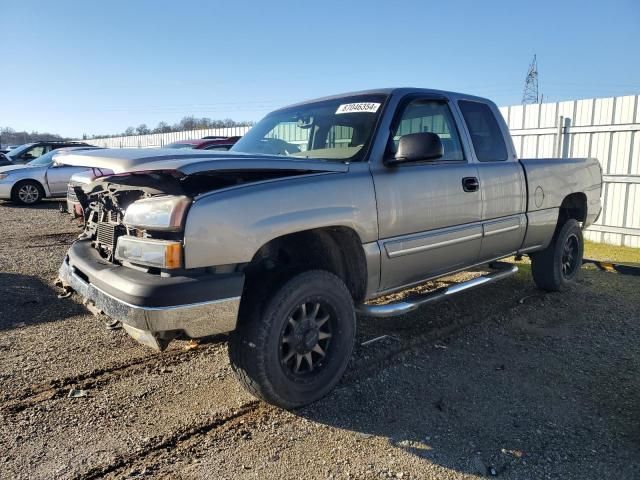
519, 389
46, 204
27, 300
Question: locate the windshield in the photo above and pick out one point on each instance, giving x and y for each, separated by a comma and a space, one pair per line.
45, 159
18, 150
179, 145
339, 129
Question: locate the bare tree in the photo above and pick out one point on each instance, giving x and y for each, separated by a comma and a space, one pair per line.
142, 129
9, 136
187, 123
163, 127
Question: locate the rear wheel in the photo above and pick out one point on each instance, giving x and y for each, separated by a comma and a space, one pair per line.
557, 267
296, 349
27, 192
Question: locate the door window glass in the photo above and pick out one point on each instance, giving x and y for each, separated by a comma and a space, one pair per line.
35, 152
435, 117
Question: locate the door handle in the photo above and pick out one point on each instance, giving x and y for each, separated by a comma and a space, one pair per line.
470, 184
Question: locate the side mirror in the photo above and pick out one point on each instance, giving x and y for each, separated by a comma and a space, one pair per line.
416, 147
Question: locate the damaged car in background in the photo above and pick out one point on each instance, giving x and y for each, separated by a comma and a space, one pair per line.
320, 208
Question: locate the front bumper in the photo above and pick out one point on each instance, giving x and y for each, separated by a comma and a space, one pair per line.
5, 189
151, 307
74, 208
73, 204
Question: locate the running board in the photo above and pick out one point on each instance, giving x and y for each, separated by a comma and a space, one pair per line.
401, 307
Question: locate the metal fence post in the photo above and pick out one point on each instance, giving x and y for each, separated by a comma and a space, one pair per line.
558, 148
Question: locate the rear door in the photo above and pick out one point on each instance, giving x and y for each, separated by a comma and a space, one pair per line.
429, 222
501, 177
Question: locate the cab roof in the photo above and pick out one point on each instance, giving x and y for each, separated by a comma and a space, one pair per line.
400, 91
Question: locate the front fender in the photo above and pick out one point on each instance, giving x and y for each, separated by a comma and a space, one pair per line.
229, 227
34, 175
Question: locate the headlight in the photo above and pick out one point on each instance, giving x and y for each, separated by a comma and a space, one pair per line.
157, 213
3, 176
150, 252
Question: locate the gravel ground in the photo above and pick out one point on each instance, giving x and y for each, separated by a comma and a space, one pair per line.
504, 381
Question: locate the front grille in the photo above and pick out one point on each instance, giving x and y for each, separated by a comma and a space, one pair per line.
103, 222
106, 234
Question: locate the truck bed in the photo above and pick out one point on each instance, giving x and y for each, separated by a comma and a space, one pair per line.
550, 180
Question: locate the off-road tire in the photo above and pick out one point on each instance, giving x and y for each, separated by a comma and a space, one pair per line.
33, 186
547, 265
255, 347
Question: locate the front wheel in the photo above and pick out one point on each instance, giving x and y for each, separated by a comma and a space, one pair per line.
295, 351
556, 267
27, 192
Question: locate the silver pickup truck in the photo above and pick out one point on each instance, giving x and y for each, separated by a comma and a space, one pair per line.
320, 208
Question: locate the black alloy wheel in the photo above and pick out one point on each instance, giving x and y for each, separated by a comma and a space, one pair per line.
306, 339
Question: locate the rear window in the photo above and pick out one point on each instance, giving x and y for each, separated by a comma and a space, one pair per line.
486, 136
218, 147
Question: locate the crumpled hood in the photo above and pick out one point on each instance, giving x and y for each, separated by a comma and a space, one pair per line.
140, 159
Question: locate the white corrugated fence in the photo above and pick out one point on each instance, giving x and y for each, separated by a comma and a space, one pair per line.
154, 140
605, 128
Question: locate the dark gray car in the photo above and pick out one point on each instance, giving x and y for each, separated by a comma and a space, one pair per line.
30, 151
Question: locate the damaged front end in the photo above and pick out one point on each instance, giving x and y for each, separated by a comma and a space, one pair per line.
105, 205
128, 263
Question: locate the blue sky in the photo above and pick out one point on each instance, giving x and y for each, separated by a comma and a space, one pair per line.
74, 67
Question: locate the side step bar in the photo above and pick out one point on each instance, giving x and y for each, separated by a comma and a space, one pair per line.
406, 305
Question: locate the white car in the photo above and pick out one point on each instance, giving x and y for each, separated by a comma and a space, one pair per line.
45, 177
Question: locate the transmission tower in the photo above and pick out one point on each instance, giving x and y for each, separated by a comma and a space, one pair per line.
530, 93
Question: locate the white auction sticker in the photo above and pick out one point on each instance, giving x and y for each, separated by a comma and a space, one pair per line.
358, 107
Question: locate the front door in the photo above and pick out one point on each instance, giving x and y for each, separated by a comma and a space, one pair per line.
32, 153
429, 213
58, 177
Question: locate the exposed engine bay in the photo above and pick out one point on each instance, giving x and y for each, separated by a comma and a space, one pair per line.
105, 201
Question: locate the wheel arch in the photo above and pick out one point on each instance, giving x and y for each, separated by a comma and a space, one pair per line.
573, 206
23, 180
337, 249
